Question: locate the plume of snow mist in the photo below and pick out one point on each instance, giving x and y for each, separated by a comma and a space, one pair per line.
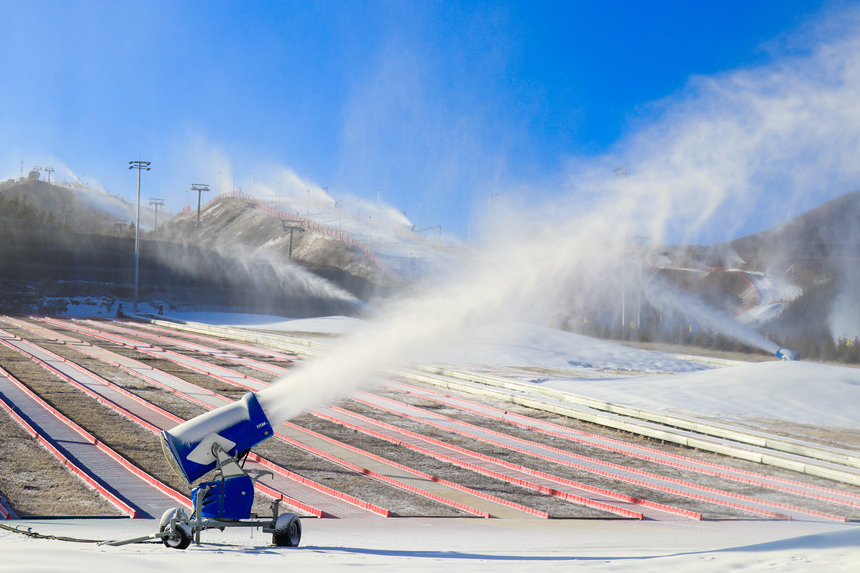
732, 153
670, 301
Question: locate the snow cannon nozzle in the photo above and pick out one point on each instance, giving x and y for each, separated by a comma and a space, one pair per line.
786, 354
235, 428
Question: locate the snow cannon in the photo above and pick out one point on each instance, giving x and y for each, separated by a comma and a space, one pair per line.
234, 428
786, 354
217, 441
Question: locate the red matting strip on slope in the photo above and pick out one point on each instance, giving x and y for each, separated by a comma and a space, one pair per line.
168, 491
405, 468
206, 370
321, 488
593, 470
88, 391
515, 420
121, 505
202, 349
620, 467
491, 473
478, 469
193, 336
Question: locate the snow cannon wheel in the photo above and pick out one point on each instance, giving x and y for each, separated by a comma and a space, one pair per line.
288, 531
182, 538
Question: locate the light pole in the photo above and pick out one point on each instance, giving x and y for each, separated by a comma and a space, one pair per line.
140, 166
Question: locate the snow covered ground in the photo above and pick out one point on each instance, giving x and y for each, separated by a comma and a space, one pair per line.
805, 392
482, 545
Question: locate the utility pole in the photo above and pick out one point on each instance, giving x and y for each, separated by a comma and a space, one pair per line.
200, 188
158, 203
49, 170
140, 166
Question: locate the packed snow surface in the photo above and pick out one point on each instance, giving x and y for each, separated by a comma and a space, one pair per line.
522, 344
802, 392
478, 545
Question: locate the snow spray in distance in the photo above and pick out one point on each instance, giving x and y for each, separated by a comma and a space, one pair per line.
669, 300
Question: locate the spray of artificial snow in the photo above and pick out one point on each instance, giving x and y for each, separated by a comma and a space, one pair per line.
709, 159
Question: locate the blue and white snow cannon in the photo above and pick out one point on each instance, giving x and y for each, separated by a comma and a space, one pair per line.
234, 428
786, 354
217, 440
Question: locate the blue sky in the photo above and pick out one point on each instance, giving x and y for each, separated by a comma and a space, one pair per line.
438, 102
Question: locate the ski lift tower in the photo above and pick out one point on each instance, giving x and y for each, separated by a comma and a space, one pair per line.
200, 188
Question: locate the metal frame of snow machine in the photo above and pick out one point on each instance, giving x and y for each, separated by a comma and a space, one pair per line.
177, 530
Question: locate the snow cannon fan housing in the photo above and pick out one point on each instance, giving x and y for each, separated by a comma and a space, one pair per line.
236, 428
786, 354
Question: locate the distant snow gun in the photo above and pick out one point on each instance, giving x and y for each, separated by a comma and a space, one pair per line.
786, 354
217, 441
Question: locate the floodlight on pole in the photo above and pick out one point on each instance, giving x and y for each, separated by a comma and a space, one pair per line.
200, 188
140, 166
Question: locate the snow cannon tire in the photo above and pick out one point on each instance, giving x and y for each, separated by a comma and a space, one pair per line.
288, 531
181, 540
